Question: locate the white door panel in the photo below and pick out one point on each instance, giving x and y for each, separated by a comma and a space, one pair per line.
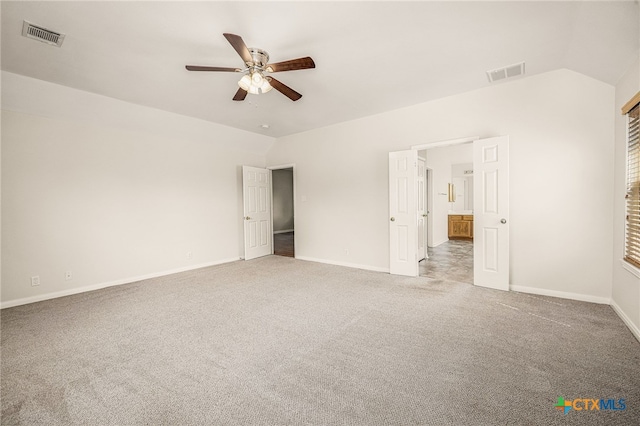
257, 212
491, 212
403, 235
422, 209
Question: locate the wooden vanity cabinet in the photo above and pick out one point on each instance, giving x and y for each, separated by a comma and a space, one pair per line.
460, 227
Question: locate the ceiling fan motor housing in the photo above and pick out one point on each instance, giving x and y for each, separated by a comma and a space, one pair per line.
260, 58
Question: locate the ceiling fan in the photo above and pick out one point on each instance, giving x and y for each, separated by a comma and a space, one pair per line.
256, 63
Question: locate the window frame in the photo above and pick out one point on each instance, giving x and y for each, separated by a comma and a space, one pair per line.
631, 250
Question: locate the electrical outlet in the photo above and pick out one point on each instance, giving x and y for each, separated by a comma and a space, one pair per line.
346, 251
35, 281
189, 255
68, 276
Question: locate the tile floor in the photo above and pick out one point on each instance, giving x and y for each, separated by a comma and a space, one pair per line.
452, 261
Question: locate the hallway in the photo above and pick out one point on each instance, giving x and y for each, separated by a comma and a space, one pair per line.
452, 260
283, 244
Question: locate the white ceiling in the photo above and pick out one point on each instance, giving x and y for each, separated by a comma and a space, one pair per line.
370, 57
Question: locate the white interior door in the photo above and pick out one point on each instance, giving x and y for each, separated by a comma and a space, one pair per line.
257, 211
403, 228
422, 209
430, 203
491, 213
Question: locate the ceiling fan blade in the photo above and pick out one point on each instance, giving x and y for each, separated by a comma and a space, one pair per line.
293, 64
240, 95
199, 68
284, 89
238, 44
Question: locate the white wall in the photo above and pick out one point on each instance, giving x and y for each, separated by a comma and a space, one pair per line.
561, 159
112, 191
282, 181
626, 285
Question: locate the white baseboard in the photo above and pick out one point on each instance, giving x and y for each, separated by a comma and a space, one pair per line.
347, 264
561, 294
531, 290
438, 243
283, 231
627, 321
71, 291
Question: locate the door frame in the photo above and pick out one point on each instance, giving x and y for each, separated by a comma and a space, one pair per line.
291, 166
439, 144
430, 191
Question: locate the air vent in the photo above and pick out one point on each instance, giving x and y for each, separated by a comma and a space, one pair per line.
506, 72
42, 34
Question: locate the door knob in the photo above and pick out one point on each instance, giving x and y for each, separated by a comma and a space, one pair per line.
503, 221
424, 215
247, 218
393, 219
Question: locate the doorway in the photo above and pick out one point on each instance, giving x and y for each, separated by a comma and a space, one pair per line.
451, 261
283, 217
449, 195
489, 222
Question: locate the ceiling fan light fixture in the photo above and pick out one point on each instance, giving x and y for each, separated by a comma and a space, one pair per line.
245, 82
254, 83
257, 78
265, 86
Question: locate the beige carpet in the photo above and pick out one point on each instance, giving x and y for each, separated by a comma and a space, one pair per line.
278, 341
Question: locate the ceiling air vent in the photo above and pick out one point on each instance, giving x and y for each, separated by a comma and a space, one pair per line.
42, 34
506, 72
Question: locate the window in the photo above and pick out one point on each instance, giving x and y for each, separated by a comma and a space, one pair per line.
632, 238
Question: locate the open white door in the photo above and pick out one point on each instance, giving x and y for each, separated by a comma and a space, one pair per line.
491, 213
422, 209
257, 212
403, 235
